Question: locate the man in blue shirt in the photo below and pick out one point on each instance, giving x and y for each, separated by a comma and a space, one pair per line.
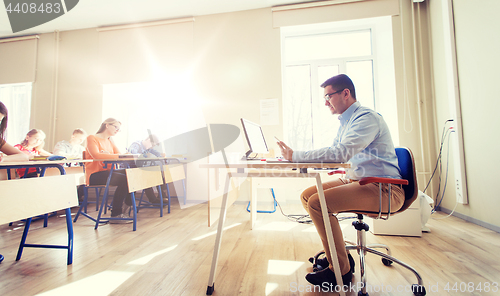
364, 141
145, 146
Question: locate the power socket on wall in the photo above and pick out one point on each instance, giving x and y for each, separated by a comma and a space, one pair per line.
459, 167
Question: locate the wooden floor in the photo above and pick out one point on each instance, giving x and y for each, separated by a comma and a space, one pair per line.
172, 256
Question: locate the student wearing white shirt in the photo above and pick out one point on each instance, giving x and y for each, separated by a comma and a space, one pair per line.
72, 148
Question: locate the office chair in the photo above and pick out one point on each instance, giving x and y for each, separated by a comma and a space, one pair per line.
409, 183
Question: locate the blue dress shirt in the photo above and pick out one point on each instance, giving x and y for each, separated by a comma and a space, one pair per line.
138, 148
364, 141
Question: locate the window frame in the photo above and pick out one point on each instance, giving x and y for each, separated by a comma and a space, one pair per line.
373, 25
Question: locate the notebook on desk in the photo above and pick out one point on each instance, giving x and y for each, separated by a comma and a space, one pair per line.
277, 160
128, 155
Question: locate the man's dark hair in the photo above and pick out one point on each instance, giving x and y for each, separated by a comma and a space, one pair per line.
340, 82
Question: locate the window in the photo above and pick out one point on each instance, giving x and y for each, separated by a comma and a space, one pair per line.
17, 99
166, 107
311, 54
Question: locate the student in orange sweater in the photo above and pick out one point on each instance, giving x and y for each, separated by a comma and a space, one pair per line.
101, 146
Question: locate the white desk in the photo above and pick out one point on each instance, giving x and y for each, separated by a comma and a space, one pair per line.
256, 169
25, 198
127, 161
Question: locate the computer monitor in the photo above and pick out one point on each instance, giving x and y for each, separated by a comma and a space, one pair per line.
255, 137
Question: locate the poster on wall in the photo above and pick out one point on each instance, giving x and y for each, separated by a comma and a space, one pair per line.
269, 114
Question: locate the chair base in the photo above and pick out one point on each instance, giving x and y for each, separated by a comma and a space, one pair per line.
363, 249
103, 207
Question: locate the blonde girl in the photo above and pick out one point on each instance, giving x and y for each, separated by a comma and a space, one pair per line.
32, 146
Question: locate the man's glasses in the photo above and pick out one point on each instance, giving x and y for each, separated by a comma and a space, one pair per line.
329, 96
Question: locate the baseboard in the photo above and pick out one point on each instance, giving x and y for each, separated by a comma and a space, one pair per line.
470, 219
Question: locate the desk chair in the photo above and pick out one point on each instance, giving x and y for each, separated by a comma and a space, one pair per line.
409, 183
83, 205
143, 204
142, 178
172, 171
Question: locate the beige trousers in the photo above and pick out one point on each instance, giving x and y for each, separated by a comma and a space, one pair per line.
342, 195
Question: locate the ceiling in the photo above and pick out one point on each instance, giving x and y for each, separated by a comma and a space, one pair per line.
96, 13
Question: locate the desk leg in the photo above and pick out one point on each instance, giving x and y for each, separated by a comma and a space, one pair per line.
329, 234
69, 225
134, 208
104, 202
23, 239
253, 204
218, 238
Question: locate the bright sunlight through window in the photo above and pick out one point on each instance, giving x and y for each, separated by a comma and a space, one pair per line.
283, 267
144, 260
278, 226
311, 54
214, 232
100, 284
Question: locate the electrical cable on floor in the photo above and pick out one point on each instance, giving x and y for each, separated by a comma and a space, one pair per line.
295, 218
446, 178
456, 204
305, 219
443, 137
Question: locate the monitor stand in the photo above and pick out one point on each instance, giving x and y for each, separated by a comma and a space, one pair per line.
245, 157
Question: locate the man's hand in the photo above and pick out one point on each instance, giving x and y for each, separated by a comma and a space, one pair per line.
286, 151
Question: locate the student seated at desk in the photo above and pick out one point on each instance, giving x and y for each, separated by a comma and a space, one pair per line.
146, 148
73, 148
101, 146
32, 145
9, 153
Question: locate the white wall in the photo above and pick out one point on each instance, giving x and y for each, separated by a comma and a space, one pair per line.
476, 27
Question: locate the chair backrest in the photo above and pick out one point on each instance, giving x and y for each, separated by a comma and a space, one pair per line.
407, 168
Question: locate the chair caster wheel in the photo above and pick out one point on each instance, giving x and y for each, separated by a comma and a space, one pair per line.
362, 294
418, 290
386, 262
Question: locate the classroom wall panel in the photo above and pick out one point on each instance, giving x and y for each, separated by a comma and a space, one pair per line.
43, 91
79, 98
18, 60
146, 52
